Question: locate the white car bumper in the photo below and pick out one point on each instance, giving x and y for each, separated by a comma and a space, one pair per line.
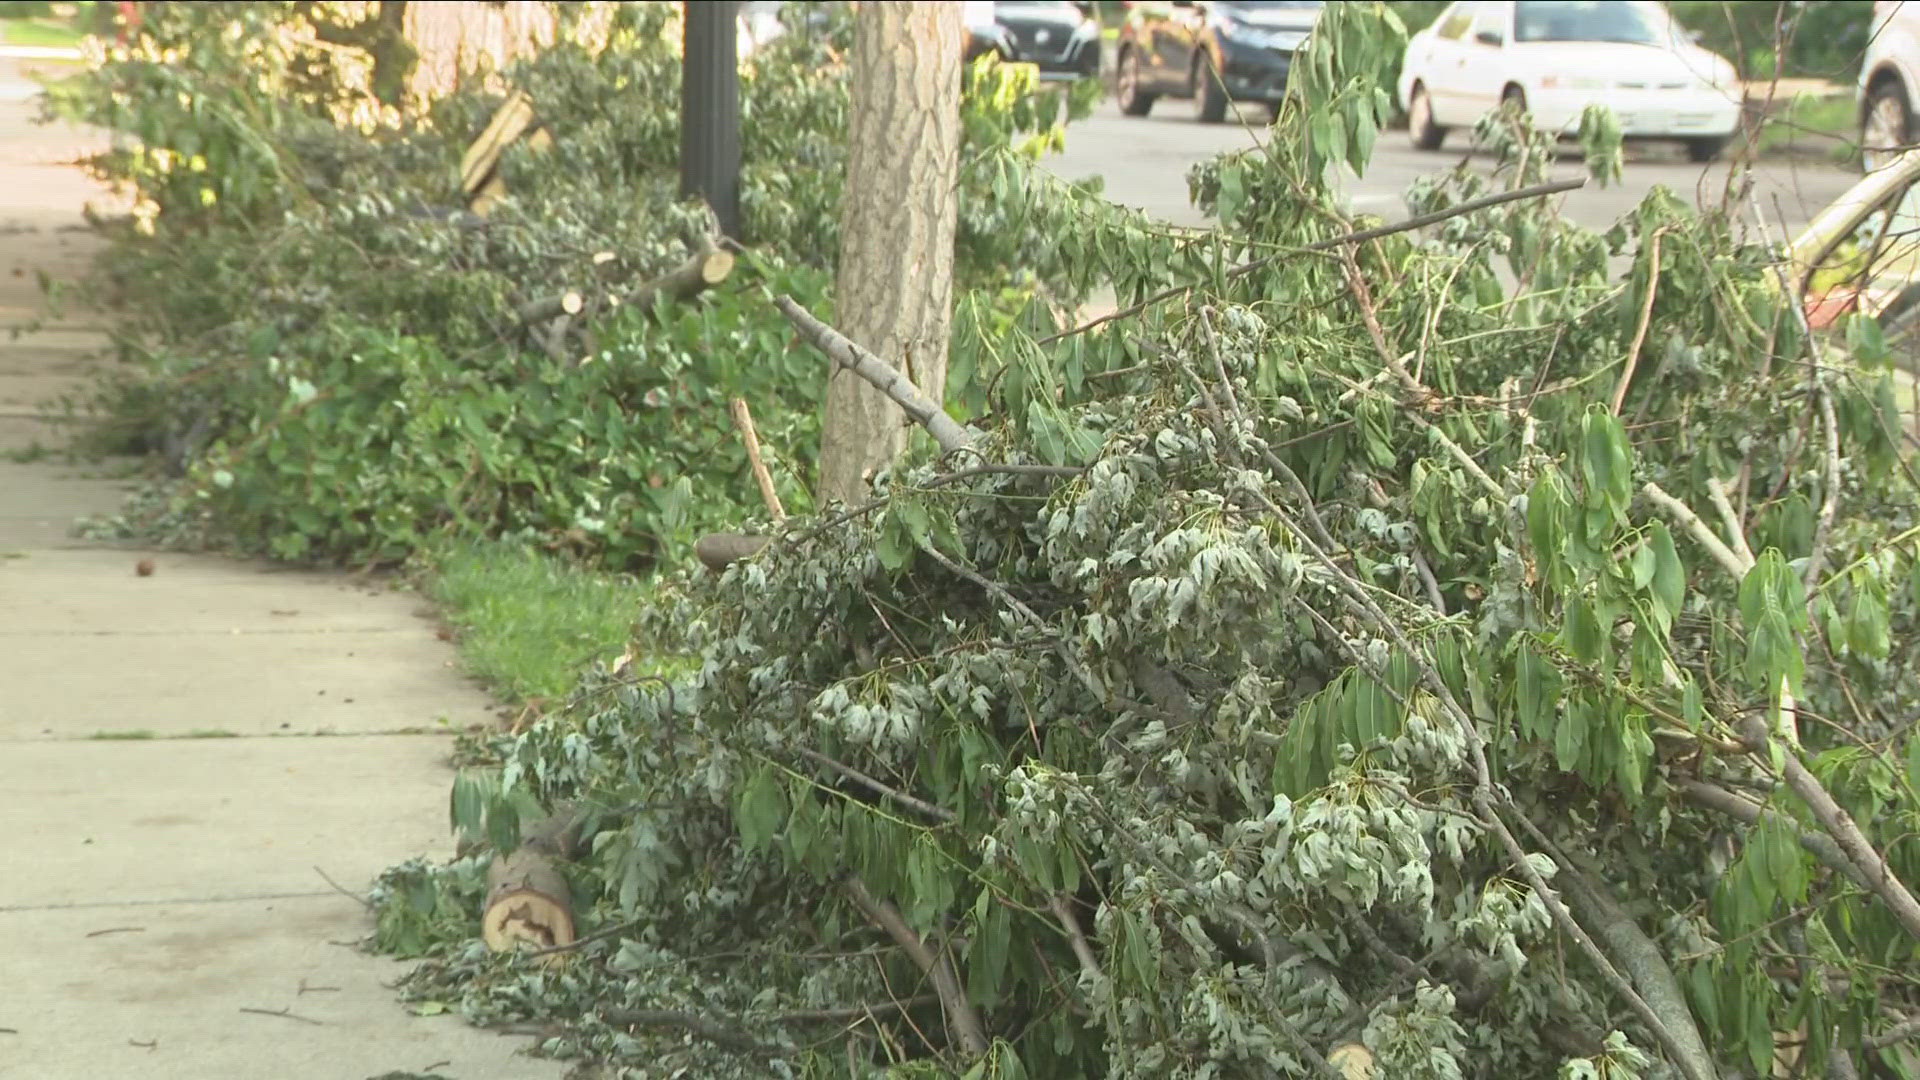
1673, 114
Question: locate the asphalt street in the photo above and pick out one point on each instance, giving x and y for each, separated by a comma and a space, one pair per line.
1144, 162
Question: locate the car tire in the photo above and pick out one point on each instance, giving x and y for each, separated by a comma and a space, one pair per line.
1209, 97
1514, 96
1426, 134
1886, 122
1133, 100
1705, 151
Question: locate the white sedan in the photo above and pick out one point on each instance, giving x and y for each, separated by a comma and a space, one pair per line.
1554, 58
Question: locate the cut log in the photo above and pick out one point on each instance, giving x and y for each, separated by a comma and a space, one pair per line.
567, 303
708, 267
718, 550
528, 902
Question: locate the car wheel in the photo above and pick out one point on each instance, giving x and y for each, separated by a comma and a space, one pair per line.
1886, 125
1209, 97
1426, 134
1702, 151
1133, 100
1515, 97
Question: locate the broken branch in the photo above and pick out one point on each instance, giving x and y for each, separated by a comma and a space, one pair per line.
938, 969
881, 375
743, 419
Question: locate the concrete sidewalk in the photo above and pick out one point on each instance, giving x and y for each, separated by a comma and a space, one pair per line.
159, 883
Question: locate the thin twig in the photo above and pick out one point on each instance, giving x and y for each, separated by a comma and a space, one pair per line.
285, 1014
1419, 222
1898, 1033
937, 968
912, 802
1646, 317
118, 930
337, 887
743, 419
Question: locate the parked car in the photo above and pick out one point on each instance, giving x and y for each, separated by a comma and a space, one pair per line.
1554, 58
1889, 74
1062, 39
1215, 53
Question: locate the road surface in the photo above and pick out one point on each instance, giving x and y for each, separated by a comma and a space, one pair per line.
1144, 162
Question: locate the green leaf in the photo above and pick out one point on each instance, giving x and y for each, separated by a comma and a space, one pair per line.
1669, 577
1537, 691
1547, 515
1581, 633
760, 807
987, 952
1570, 736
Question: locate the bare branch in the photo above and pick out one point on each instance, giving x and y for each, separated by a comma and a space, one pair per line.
1830, 499
1740, 808
883, 376
1689, 520
1736, 532
743, 419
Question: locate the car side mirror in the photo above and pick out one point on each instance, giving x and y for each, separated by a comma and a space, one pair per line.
1489, 37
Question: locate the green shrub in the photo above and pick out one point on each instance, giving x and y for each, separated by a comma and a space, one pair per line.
330, 358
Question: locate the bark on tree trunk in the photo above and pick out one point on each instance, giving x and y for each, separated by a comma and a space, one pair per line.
455, 37
893, 292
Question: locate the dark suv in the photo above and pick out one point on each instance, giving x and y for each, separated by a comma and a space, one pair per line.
1213, 51
1060, 38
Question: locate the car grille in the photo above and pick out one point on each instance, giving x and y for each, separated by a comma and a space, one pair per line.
1058, 44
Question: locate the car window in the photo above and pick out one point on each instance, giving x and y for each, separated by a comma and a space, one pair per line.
1490, 19
1874, 271
1635, 22
1455, 23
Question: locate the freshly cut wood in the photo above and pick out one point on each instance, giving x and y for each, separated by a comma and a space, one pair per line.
718, 550
528, 902
552, 307
743, 420
708, 267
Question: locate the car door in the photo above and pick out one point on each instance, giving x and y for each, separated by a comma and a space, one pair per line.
1485, 63
1441, 65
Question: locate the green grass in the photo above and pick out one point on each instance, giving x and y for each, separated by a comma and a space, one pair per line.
1825, 127
528, 623
41, 33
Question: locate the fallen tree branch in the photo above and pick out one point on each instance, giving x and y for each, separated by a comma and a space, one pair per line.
1690, 521
719, 550
708, 266
937, 968
743, 419
1418, 222
1839, 825
1063, 910
1740, 808
879, 374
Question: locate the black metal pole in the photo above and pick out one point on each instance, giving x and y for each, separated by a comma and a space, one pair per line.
710, 110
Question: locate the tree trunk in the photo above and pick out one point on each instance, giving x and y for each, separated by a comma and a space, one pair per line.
454, 37
893, 293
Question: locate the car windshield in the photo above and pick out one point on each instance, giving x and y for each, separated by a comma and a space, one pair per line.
1636, 23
